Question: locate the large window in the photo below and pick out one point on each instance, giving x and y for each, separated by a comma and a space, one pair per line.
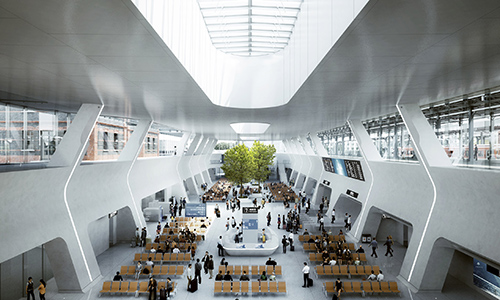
340, 142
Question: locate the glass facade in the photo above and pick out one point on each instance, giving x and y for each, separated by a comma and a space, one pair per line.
392, 139
468, 129
340, 142
29, 135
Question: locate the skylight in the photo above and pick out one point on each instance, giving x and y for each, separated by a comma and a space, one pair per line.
249, 127
250, 27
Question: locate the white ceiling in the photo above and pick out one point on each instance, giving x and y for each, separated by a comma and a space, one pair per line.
59, 54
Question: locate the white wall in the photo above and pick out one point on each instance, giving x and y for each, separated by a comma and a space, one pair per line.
99, 235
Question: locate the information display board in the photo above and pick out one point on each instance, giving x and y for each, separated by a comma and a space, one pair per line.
196, 210
328, 164
354, 170
344, 167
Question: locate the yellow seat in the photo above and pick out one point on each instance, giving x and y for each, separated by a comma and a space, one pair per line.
106, 287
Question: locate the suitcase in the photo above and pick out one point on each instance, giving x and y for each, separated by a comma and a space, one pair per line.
163, 294
193, 286
292, 248
310, 282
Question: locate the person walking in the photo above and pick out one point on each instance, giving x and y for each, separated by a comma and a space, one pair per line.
305, 272
349, 223
279, 221
30, 288
374, 246
388, 243
41, 289
197, 270
269, 219
220, 247
210, 266
152, 288
321, 224
333, 216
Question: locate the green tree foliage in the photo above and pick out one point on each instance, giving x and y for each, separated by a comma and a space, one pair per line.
238, 164
263, 157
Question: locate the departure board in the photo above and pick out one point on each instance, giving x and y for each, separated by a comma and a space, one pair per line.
328, 164
354, 169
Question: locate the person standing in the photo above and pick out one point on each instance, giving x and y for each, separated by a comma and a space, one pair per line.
284, 241
189, 275
137, 237
349, 222
269, 219
144, 234
210, 266
374, 246
152, 288
279, 221
388, 243
305, 272
333, 215
205, 259
345, 220
321, 224
197, 270
41, 289
220, 247
30, 288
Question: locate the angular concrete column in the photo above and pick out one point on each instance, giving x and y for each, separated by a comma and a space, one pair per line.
307, 147
78, 252
428, 261
319, 146
182, 144
370, 154
129, 155
429, 149
194, 144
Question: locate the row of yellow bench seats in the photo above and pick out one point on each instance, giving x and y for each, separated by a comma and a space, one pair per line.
331, 237
174, 270
273, 287
131, 287
346, 270
181, 246
312, 246
364, 287
318, 257
255, 270
182, 239
163, 258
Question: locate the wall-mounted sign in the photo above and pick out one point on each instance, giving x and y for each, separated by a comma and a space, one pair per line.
352, 193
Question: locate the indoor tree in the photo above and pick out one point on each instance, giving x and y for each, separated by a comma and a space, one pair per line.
263, 157
238, 165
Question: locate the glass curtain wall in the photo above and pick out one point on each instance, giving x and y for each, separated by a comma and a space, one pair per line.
468, 129
28, 135
392, 139
340, 142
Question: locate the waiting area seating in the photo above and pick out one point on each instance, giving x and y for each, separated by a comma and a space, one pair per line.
318, 258
363, 287
251, 270
348, 271
172, 270
131, 287
161, 246
281, 191
253, 287
312, 247
331, 237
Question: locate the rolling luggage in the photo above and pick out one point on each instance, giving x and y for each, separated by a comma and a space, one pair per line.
163, 294
193, 286
292, 248
310, 282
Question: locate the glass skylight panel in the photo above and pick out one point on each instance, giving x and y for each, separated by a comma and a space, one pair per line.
260, 26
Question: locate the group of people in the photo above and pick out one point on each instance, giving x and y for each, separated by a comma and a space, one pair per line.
176, 207
388, 243
30, 289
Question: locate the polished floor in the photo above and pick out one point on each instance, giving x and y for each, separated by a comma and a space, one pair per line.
122, 254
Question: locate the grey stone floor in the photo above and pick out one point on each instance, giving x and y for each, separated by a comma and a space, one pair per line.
122, 254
